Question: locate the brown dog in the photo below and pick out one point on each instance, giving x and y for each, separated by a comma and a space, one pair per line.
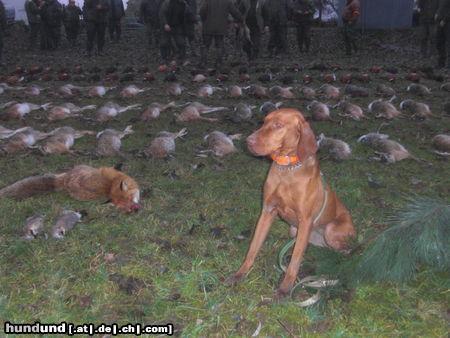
295, 190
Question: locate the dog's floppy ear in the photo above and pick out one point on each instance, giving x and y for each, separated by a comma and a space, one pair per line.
307, 144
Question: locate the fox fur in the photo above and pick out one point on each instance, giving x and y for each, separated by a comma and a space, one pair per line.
82, 183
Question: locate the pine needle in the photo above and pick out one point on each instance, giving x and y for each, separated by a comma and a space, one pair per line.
419, 234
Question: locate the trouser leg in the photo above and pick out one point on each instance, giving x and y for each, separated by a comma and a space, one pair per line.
220, 49
179, 38
255, 35
271, 46
57, 35
349, 38
307, 36
206, 42
441, 45
119, 30
165, 46
101, 30
299, 37
424, 37
149, 33
91, 33
43, 42
34, 32
447, 42
111, 29
76, 29
53, 36
283, 39
1, 48
190, 37
114, 29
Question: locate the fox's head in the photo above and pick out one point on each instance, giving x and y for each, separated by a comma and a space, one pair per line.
125, 194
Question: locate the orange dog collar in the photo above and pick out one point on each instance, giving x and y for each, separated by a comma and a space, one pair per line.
284, 159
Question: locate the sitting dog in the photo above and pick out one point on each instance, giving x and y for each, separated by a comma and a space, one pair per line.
295, 190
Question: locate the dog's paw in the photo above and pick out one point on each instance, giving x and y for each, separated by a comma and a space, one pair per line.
234, 278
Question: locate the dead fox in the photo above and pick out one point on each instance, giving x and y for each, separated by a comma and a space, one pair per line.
83, 183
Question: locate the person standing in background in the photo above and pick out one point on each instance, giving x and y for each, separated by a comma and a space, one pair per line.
34, 20
51, 16
173, 16
427, 11
350, 16
116, 13
443, 34
252, 12
214, 16
302, 13
71, 19
149, 15
95, 13
277, 12
192, 21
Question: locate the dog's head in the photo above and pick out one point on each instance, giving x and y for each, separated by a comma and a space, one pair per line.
284, 132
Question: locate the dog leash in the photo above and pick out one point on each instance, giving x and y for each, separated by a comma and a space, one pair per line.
314, 282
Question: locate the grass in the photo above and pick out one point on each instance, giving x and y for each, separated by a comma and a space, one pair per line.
168, 262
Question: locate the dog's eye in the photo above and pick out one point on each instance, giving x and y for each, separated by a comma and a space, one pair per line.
277, 125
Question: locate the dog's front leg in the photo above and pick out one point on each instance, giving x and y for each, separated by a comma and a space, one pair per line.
303, 233
262, 229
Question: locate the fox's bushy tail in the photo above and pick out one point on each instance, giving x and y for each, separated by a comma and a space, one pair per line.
30, 186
